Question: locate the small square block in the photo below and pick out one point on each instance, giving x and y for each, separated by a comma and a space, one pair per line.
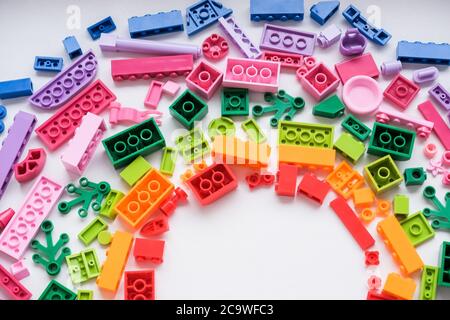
235, 102
135, 171
401, 91
188, 108
414, 176
349, 147
363, 198
319, 82
383, 174
417, 228
171, 88
204, 80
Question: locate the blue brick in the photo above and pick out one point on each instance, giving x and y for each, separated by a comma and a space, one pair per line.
322, 11
72, 47
354, 17
277, 10
204, 13
16, 88
3, 112
104, 26
419, 52
50, 64
2, 127
153, 24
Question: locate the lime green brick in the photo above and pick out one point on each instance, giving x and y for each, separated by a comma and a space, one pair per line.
135, 171
168, 161
305, 134
349, 147
383, 174
221, 127
83, 266
108, 206
401, 205
417, 228
193, 145
331, 107
85, 295
253, 131
428, 283
91, 231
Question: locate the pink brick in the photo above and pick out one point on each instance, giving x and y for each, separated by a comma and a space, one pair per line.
401, 91
19, 270
363, 65
171, 88
319, 82
12, 286
154, 94
204, 80
440, 128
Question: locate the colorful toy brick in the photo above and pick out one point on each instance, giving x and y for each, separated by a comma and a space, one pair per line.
256, 75
19, 270
277, 10
169, 206
156, 226
278, 38
141, 139
212, 184
402, 250
3, 113
144, 198
48, 64
31, 166
61, 127
155, 24
322, 11
253, 131
354, 17
352, 43
352, 223
363, 65
188, 108
222, 126
401, 91
311, 158
286, 180
168, 161
358, 129
349, 147
66, 84
108, 206
386, 139
5, 217
103, 26
171, 88
85, 295
414, 176
331, 107
442, 131
22, 228
83, 266
139, 285
91, 231
444, 269
363, 198
420, 52
391, 68
56, 291
344, 180
255, 179
135, 171
154, 94
372, 258
305, 134
193, 145
441, 96
151, 67
119, 114
329, 36
319, 82
72, 47
287, 60
16, 88
235, 102
399, 287
215, 47
428, 283
417, 228
12, 287
148, 250
401, 205
204, 80
239, 38
313, 188
203, 14
425, 75
373, 295
383, 174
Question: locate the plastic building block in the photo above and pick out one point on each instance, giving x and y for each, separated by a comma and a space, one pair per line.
322, 11
352, 43
367, 215
16, 88
85, 295
446, 179
19, 270
253, 131
215, 47
386, 139
362, 95
113, 43
428, 283
139, 285
82, 146
31, 166
446, 159
155, 24
282, 104
168, 161
203, 14
212, 184
107, 208
5, 217
401, 288
383, 174
391, 68
358, 129
154, 94
417, 228
286, 180
239, 38
22, 228
373, 295
255, 179
171, 88
352, 223
425, 75
344, 180
430, 150
287, 60
66, 84
363, 198
148, 250
156, 226
354, 17
144, 198
103, 26
414, 176
221, 126
440, 128
112, 269
331, 107
141, 139
135, 171
72, 47
305, 134
402, 250
441, 96
311, 158
3, 113
204, 80
289, 40
235, 102
401, 91
188, 108
12, 287
401, 205
363, 65
91, 231
104, 237
349, 147
319, 82
56, 291
48, 64
48, 255
193, 145
444, 269
119, 114
420, 52
313, 188
256, 75
372, 258
282, 10
329, 36
152, 67
83, 266
169, 206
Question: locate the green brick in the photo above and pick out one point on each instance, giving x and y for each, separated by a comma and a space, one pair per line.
83, 266
85, 295
417, 228
221, 126
356, 127
387, 139
188, 108
56, 291
193, 145
253, 131
135, 171
401, 205
139, 140
168, 161
383, 174
444, 265
305, 134
331, 107
91, 231
235, 102
109, 204
414, 176
349, 147
428, 283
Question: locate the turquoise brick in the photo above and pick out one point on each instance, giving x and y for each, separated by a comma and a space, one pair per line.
356, 127
188, 108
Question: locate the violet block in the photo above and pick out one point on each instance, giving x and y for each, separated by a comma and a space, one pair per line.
290, 40
440, 96
239, 38
353, 43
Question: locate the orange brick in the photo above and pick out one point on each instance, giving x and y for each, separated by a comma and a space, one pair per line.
399, 287
344, 180
307, 157
363, 198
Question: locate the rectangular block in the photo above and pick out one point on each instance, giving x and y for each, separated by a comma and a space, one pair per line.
139, 285
401, 91
278, 38
168, 161
135, 171
193, 145
428, 283
305, 134
48, 64
356, 127
286, 180
307, 157
440, 95
444, 265
85, 295
399, 287
344, 180
155, 24
203, 14
108, 208
16, 88
83, 266
363, 198
363, 65
287, 60
421, 52
313, 188
148, 250
239, 38
383, 174
401, 205
253, 131
442, 131
103, 26
277, 10
112, 269
328, 82
205, 79
154, 94
12, 287
349, 147
417, 228
91, 231
72, 47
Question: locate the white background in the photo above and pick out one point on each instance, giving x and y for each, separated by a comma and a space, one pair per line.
248, 245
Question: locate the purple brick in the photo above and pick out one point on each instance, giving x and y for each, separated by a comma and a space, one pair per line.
13, 145
440, 95
287, 40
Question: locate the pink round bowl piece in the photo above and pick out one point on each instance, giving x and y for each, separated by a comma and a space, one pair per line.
362, 95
